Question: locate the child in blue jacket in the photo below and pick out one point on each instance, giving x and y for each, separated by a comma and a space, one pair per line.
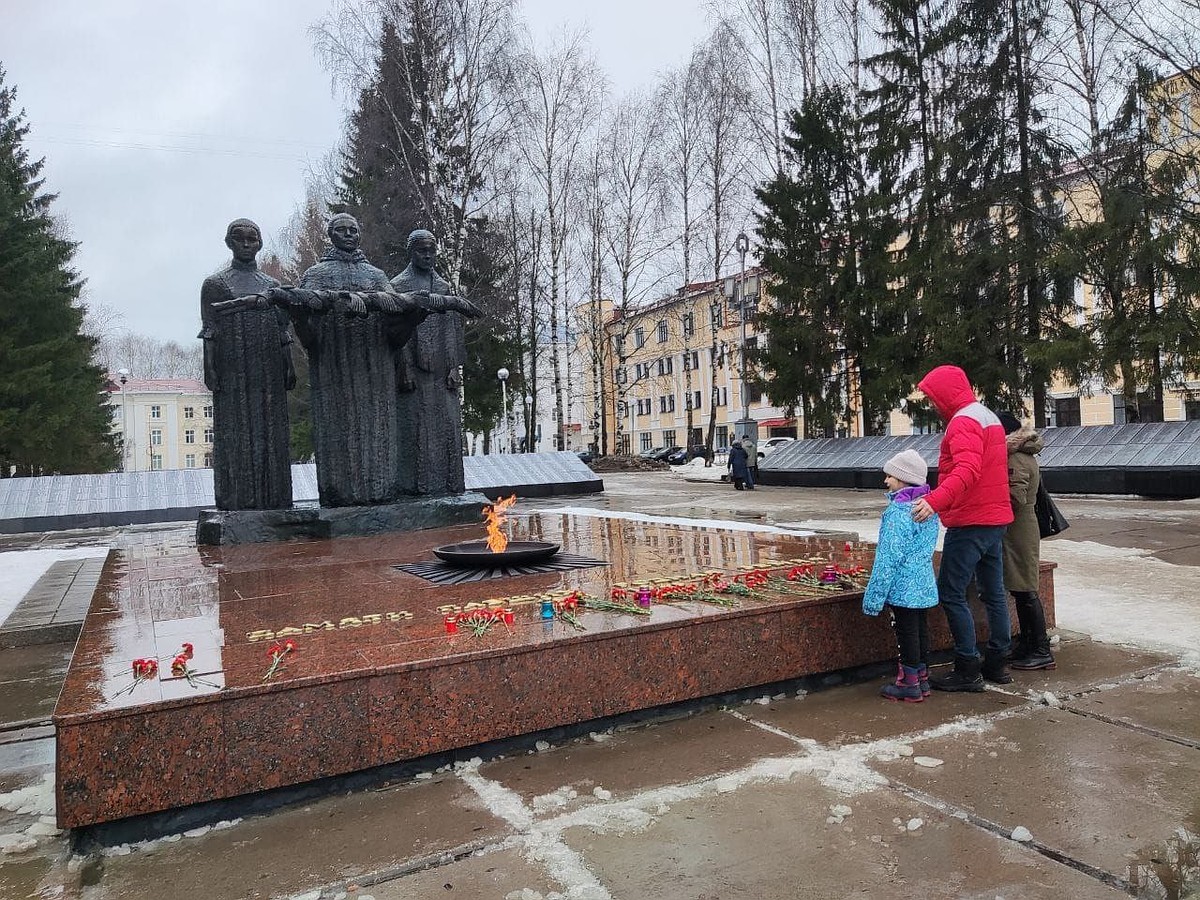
902, 577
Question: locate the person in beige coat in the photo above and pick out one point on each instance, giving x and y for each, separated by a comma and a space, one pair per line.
1022, 546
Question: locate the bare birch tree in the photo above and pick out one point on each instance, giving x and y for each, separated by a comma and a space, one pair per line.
722, 175
636, 235
555, 96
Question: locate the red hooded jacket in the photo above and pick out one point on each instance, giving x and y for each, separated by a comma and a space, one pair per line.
972, 486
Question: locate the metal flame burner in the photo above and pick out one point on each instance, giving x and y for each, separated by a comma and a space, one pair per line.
476, 555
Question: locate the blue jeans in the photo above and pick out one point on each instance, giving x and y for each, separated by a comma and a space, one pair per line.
974, 550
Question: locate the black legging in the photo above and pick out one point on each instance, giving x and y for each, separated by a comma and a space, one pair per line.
912, 635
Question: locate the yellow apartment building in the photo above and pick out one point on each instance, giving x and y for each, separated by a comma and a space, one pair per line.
666, 365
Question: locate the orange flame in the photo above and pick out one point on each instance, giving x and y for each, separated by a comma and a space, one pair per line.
496, 518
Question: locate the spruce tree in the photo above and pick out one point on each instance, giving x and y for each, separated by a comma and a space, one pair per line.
1138, 248
834, 318
53, 418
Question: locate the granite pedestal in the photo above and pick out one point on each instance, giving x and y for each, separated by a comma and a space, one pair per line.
376, 679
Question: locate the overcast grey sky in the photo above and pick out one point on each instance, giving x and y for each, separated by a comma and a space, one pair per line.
162, 121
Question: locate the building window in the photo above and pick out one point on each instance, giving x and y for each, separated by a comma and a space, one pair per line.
189, 461
718, 359
623, 449
666, 403
155, 462
208, 435
1066, 412
641, 370
666, 365
1118, 409
155, 437
644, 407
208, 460
189, 412
669, 439
208, 412
663, 331
639, 338
1191, 410
718, 316
622, 375
754, 392
721, 397
155, 411
696, 399
689, 325
721, 441
647, 441
189, 436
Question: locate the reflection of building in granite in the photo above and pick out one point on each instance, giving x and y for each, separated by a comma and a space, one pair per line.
161, 423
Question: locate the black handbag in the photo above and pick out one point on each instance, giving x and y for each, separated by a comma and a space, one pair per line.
1050, 519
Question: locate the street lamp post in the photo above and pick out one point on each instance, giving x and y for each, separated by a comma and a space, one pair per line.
530, 427
502, 374
123, 376
743, 245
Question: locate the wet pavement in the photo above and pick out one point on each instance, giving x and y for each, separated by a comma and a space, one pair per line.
834, 793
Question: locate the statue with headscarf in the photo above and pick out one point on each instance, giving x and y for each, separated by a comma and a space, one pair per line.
352, 367
248, 368
430, 377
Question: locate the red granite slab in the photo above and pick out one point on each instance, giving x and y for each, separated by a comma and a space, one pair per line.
375, 678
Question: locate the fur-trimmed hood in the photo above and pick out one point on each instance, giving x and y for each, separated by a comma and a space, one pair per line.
1025, 440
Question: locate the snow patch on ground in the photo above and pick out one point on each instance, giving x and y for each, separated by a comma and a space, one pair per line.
20, 570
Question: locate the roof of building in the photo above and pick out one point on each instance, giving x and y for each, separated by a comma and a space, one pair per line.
156, 385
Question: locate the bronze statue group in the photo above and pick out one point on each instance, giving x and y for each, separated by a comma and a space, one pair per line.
384, 359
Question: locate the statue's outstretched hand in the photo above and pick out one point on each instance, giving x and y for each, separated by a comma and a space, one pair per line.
464, 306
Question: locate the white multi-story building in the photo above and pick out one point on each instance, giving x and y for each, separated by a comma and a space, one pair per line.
162, 423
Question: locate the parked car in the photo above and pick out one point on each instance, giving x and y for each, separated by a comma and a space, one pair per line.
681, 456
655, 453
585, 455
771, 444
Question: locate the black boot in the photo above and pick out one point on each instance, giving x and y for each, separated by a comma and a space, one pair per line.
1021, 643
1037, 654
994, 669
1039, 657
965, 676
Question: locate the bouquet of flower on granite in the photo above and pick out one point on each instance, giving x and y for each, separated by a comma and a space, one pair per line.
181, 667
143, 670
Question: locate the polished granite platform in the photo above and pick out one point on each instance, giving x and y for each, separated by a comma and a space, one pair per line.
376, 678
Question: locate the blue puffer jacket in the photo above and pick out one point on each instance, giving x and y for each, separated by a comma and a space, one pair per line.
903, 571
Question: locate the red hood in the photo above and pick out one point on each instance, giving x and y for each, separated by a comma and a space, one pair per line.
948, 388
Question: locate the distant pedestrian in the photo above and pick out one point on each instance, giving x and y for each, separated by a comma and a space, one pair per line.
972, 499
739, 468
1022, 546
751, 449
902, 575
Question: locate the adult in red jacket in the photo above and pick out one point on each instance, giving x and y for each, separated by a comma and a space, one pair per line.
972, 500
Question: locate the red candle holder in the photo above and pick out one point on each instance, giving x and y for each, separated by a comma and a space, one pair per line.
451, 624
508, 616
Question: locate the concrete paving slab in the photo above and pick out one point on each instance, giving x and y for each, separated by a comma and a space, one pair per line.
1098, 793
489, 876
637, 760
856, 713
775, 841
1168, 702
44, 661
304, 848
31, 699
1084, 664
